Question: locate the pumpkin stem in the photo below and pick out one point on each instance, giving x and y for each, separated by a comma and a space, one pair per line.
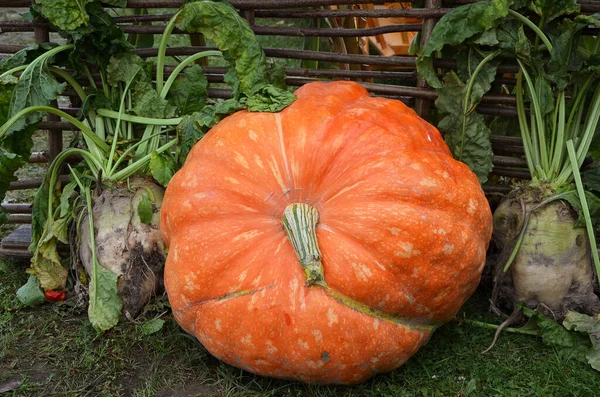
300, 223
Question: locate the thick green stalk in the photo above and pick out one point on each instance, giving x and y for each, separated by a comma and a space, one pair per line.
467, 99
533, 27
558, 141
118, 127
182, 65
138, 119
585, 140
300, 224
538, 120
162, 49
584, 206
54, 167
123, 157
12, 71
139, 164
72, 82
530, 156
88, 134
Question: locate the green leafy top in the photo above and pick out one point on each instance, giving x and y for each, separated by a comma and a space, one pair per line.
233, 35
558, 76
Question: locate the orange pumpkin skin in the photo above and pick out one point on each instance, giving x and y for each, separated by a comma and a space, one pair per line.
403, 230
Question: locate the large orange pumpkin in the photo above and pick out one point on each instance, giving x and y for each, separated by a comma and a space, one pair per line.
323, 243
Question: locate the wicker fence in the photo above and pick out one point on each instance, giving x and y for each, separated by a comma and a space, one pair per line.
508, 160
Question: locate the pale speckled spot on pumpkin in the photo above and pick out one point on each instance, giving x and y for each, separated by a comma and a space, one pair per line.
464, 235
332, 318
375, 324
314, 364
281, 244
406, 250
253, 135
271, 349
241, 160
277, 174
247, 340
415, 166
247, 235
444, 174
254, 299
471, 207
243, 275
441, 232
261, 362
218, 324
220, 143
232, 180
318, 335
190, 283
395, 231
256, 281
303, 344
187, 205
361, 271
258, 161
448, 249
293, 292
428, 182
344, 190
246, 208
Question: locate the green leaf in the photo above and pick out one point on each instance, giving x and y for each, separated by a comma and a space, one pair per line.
269, 99
97, 42
189, 92
65, 14
145, 210
162, 167
36, 87
105, 305
593, 205
457, 26
552, 9
152, 326
276, 74
147, 102
188, 134
474, 147
232, 34
487, 38
46, 264
589, 325
544, 95
125, 68
467, 63
24, 56
566, 343
31, 294
591, 177
511, 36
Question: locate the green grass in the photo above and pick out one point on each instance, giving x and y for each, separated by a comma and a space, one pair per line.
53, 351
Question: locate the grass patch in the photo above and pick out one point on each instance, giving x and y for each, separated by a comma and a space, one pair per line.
52, 350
